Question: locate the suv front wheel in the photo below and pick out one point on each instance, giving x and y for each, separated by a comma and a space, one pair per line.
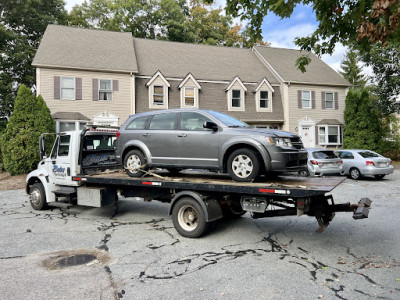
135, 163
243, 165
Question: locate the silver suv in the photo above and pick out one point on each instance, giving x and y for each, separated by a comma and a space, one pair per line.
204, 139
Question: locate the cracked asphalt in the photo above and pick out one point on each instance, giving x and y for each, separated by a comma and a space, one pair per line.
139, 255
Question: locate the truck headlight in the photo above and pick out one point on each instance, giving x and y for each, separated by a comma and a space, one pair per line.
279, 141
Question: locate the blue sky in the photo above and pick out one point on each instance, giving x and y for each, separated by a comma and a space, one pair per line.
281, 33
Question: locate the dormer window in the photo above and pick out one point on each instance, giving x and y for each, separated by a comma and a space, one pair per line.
189, 92
263, 95
158, 91
236, 95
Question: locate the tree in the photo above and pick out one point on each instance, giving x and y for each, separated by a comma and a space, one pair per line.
20, 141
172, 20
22, 24
362, 128
385, 63
351, 71
359, 23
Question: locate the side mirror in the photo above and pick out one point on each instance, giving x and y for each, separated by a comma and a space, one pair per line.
42, 147
210, 125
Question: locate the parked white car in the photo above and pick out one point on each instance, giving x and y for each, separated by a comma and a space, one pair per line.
322, 162
358, 163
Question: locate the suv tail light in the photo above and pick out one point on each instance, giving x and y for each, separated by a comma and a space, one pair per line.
117, 135
370, 163
315, 162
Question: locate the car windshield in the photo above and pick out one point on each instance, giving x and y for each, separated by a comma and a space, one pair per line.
324, 154
367, 154
227, 120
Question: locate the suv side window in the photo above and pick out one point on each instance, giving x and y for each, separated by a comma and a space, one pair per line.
346, 155
193, 121
138, 123
165, 121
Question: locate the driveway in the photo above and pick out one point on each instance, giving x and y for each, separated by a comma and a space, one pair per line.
133, 252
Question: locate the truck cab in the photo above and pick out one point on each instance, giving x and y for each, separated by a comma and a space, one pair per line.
73, 153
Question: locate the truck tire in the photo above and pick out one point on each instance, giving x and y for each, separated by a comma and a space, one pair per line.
189, 218
243, 165
135, 163
37, 196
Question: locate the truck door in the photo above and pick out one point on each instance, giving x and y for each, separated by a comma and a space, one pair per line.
61, 161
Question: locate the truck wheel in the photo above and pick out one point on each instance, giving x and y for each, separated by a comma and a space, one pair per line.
243, 165
37, 197
355, 173
135, 163
188, 218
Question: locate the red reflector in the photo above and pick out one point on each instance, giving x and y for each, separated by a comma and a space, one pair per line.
117, 135
77, 179
300, 203
147, 183
370, 163
266, 191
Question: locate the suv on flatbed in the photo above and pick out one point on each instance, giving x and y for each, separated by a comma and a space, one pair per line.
204, 139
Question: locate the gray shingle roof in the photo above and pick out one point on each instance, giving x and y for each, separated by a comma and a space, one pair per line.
283, 61
203, 61
65, 115
88, 49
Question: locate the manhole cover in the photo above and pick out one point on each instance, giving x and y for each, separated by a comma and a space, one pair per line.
75, 260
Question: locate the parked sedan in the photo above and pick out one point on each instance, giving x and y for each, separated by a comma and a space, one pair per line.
204, 139
358, 163
323, 162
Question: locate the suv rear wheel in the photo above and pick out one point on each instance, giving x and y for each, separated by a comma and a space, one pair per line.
243, 165
135, 163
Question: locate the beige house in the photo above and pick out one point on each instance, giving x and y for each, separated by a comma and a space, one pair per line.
103, 77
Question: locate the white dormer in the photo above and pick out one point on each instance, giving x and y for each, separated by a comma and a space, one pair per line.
189, 92
158, 91
263, 96
235, 93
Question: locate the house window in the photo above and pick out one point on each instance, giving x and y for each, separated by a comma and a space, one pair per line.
329, 135
306, 99
67, 126
105, 89
189, 95
236, 98
264, 100
329, 102
68, 88
158, 95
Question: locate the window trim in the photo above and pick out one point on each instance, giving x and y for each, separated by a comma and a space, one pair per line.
61, 87
310, 100
98, 89
333, 101
269, 101
153, 93
326, 135
195, 96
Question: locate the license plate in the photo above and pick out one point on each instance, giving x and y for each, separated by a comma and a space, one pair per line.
382, 164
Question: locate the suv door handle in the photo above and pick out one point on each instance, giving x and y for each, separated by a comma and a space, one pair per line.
182, 135
146, 134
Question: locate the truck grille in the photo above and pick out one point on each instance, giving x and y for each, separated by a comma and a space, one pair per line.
297, 143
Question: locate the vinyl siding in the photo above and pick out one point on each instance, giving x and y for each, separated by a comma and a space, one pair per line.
120, 105
317, 114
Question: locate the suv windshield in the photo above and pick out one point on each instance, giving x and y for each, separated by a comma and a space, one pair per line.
367, 154
324, 154
227, 120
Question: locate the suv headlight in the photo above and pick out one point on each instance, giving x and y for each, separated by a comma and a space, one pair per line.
279, 141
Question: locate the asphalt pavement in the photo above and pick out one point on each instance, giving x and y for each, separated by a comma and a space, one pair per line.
136, 253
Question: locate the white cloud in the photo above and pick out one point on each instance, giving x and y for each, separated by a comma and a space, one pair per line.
284, 38
70, 3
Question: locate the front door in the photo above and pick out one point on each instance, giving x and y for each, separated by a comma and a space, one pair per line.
307, 135
197, 146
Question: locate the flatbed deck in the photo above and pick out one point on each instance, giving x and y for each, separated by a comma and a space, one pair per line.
288, 186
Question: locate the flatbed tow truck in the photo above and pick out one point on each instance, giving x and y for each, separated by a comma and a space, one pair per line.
81, 170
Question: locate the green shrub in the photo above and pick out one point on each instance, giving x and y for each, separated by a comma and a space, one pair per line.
20, 141
362, 129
